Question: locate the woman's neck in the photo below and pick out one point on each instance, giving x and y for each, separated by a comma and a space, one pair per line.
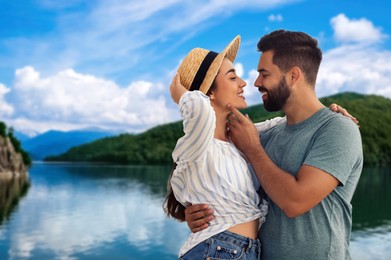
221, 126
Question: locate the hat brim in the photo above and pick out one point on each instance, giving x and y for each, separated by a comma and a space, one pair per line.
229, 52
193, 60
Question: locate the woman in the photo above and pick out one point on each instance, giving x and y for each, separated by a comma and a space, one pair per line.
209, 167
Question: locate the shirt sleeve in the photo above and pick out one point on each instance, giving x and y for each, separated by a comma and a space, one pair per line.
337, 149
199, 123
267, 124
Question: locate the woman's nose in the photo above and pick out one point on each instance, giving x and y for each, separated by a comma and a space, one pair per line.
244, 83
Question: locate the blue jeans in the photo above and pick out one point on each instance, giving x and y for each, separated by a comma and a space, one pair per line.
225, 245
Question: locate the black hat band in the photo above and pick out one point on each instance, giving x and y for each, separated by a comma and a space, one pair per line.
201, 73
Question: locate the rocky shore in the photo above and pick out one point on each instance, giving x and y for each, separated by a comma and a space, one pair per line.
11, 162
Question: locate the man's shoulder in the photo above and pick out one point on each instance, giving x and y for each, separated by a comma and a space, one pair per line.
337, 121
339, 132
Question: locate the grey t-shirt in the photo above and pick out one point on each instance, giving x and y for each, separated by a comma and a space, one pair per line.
332, 143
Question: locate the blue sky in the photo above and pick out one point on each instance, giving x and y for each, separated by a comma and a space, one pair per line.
108, 63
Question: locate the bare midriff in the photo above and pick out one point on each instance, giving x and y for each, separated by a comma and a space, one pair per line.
248, 229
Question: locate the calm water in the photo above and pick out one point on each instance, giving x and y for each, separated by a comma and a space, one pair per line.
72, 211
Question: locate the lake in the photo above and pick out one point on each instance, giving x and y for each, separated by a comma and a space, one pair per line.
94, 211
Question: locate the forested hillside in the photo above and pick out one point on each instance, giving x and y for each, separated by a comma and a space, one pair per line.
155, 145
151, 147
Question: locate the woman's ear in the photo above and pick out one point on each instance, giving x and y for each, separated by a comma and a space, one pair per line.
211, 96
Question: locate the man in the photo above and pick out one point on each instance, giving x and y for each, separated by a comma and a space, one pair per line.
308, 167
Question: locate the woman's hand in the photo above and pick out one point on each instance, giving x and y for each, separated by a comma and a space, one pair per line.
338, 109
176, 89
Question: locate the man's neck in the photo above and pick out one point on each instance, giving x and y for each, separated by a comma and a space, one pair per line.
301, 106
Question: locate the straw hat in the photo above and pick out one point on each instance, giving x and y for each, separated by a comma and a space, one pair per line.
199, 68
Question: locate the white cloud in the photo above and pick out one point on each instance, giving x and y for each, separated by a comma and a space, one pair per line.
239, 69
350, 68
69, 100
275, 18
5, 108
352, 30
251, 92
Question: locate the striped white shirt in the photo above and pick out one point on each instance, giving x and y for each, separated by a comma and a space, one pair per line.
212, 171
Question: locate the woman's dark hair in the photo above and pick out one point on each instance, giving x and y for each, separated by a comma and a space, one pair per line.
292, 49
171, 206
212, 87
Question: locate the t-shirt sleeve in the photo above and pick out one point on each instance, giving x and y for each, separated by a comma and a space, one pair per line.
337, 148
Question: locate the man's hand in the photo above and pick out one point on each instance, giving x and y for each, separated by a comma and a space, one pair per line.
242, 131
176, 89
198, 217
338, 109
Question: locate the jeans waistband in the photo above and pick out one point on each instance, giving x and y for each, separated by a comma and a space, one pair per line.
239, 240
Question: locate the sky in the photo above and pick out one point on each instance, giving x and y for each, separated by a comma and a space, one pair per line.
108, 64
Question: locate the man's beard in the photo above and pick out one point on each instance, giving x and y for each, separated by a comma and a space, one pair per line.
277, 97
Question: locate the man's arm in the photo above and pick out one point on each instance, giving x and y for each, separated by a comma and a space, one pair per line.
310, 186
306, 189
198, 216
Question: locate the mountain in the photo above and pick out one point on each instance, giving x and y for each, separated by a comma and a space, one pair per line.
56, 142
21, 136
155, 145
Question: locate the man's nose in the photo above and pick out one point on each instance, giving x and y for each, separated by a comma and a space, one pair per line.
258, 82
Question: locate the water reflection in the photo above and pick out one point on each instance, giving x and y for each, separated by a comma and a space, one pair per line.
11, 191
74, 211
152, 178
371, 201
371, 237
372, 244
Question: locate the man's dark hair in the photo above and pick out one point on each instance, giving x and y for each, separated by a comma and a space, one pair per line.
292, 49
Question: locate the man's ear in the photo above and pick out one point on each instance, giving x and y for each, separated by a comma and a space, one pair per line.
211, 96
295, 75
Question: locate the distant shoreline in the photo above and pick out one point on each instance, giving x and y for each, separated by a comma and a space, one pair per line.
98, 163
